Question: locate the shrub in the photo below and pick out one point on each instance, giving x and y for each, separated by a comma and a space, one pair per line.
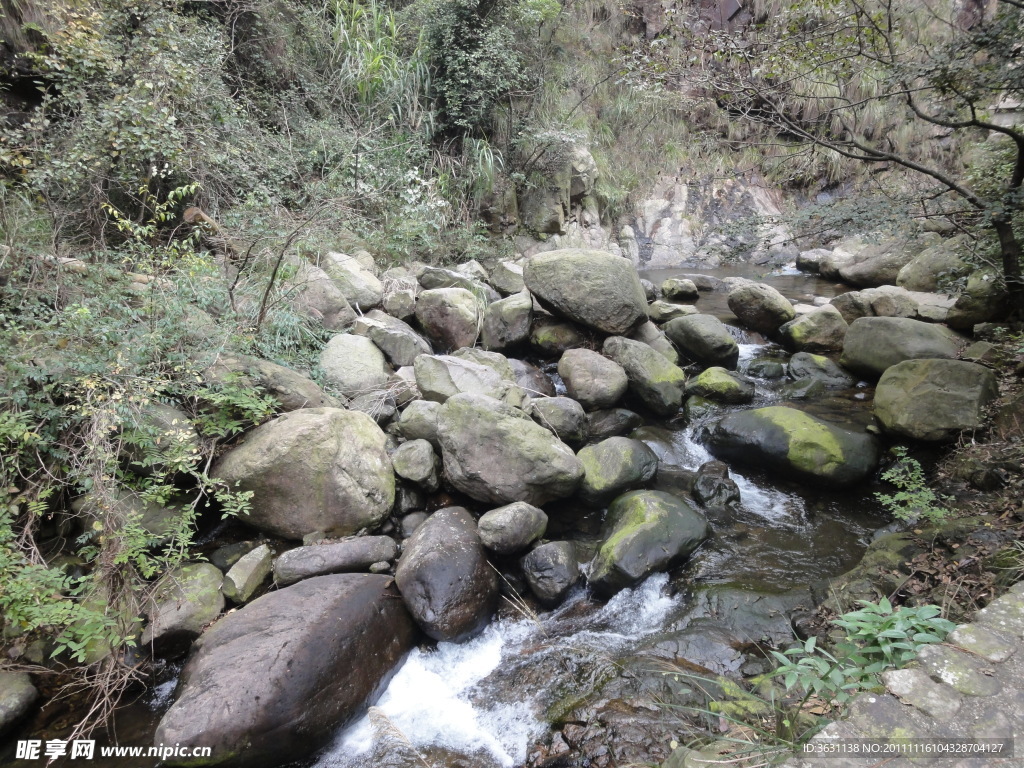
914, 499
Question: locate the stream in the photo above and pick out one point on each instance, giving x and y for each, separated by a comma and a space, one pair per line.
599, 670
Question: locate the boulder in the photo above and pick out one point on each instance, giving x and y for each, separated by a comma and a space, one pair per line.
551, 570
796, 444
810, 261
934, 400
434, 278
531, 379
440, 377
563, 416
359, 285
592, 379
663, 311
494, 452
507, 322
765, 368
891, 301
804, 365
400, 299
652, 378
355, 554
158, 521
612, 423
651, 291
506, 277
594, 288
313, 294
188, 598
644, 532
878, 265
713, 487
821, 330
296, 665
290, 388
652, 336
248, 574
395, 338
17, 695
450, 316
803, 389
853, 305
983, 299
354, 365
615, 465
512, 528
419, 421
583, 173
161, 439
679, 289
552, 337
939, 263
720, 386
873, 344
416, 462
316, 469
705, 339
760, 307
493, 360
445, 579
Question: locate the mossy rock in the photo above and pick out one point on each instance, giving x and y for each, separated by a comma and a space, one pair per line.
796, 444
720, 386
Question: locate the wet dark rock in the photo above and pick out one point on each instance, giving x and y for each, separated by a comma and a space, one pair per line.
764, 368
720, 386
17, 695
551, 337
796, 444
323, 648
615, 465
645, 532
531, 379
551, 570
804, 365
612, 423
713, 486
188, 599
445, 579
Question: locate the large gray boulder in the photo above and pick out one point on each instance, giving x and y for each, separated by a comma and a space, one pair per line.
506, 277
290, 388
592, 379
316, 469
940, 262
662, 311
440, 377
594, 288
983, 299
652, 378
822, 330
795, 444
512, 528
615, 465
645, 532
613, 422
187, 599
354, 365
358, 284
395, 338
679, 289
655, 338
449, 316
873, 344
295, 665
705, 339
507, 322
551, 570
934, 400
433, 278
494, 452
760, 307
878, 264
445, 580
355, 554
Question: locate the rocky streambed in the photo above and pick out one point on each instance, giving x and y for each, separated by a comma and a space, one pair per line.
505, 546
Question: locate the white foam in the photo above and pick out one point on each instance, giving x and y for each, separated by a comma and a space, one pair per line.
769, 503
429, 700
749, 351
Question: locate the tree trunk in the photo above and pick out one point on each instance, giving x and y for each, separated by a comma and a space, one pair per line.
1010, 250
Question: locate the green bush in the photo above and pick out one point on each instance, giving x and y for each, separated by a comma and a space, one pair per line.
914, 499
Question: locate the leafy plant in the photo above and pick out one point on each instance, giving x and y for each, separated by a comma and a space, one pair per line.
882, 634
914, 498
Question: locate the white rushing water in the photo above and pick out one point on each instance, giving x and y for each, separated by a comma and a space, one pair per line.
430, 701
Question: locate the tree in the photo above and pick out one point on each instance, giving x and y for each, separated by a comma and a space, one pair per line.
905, 85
